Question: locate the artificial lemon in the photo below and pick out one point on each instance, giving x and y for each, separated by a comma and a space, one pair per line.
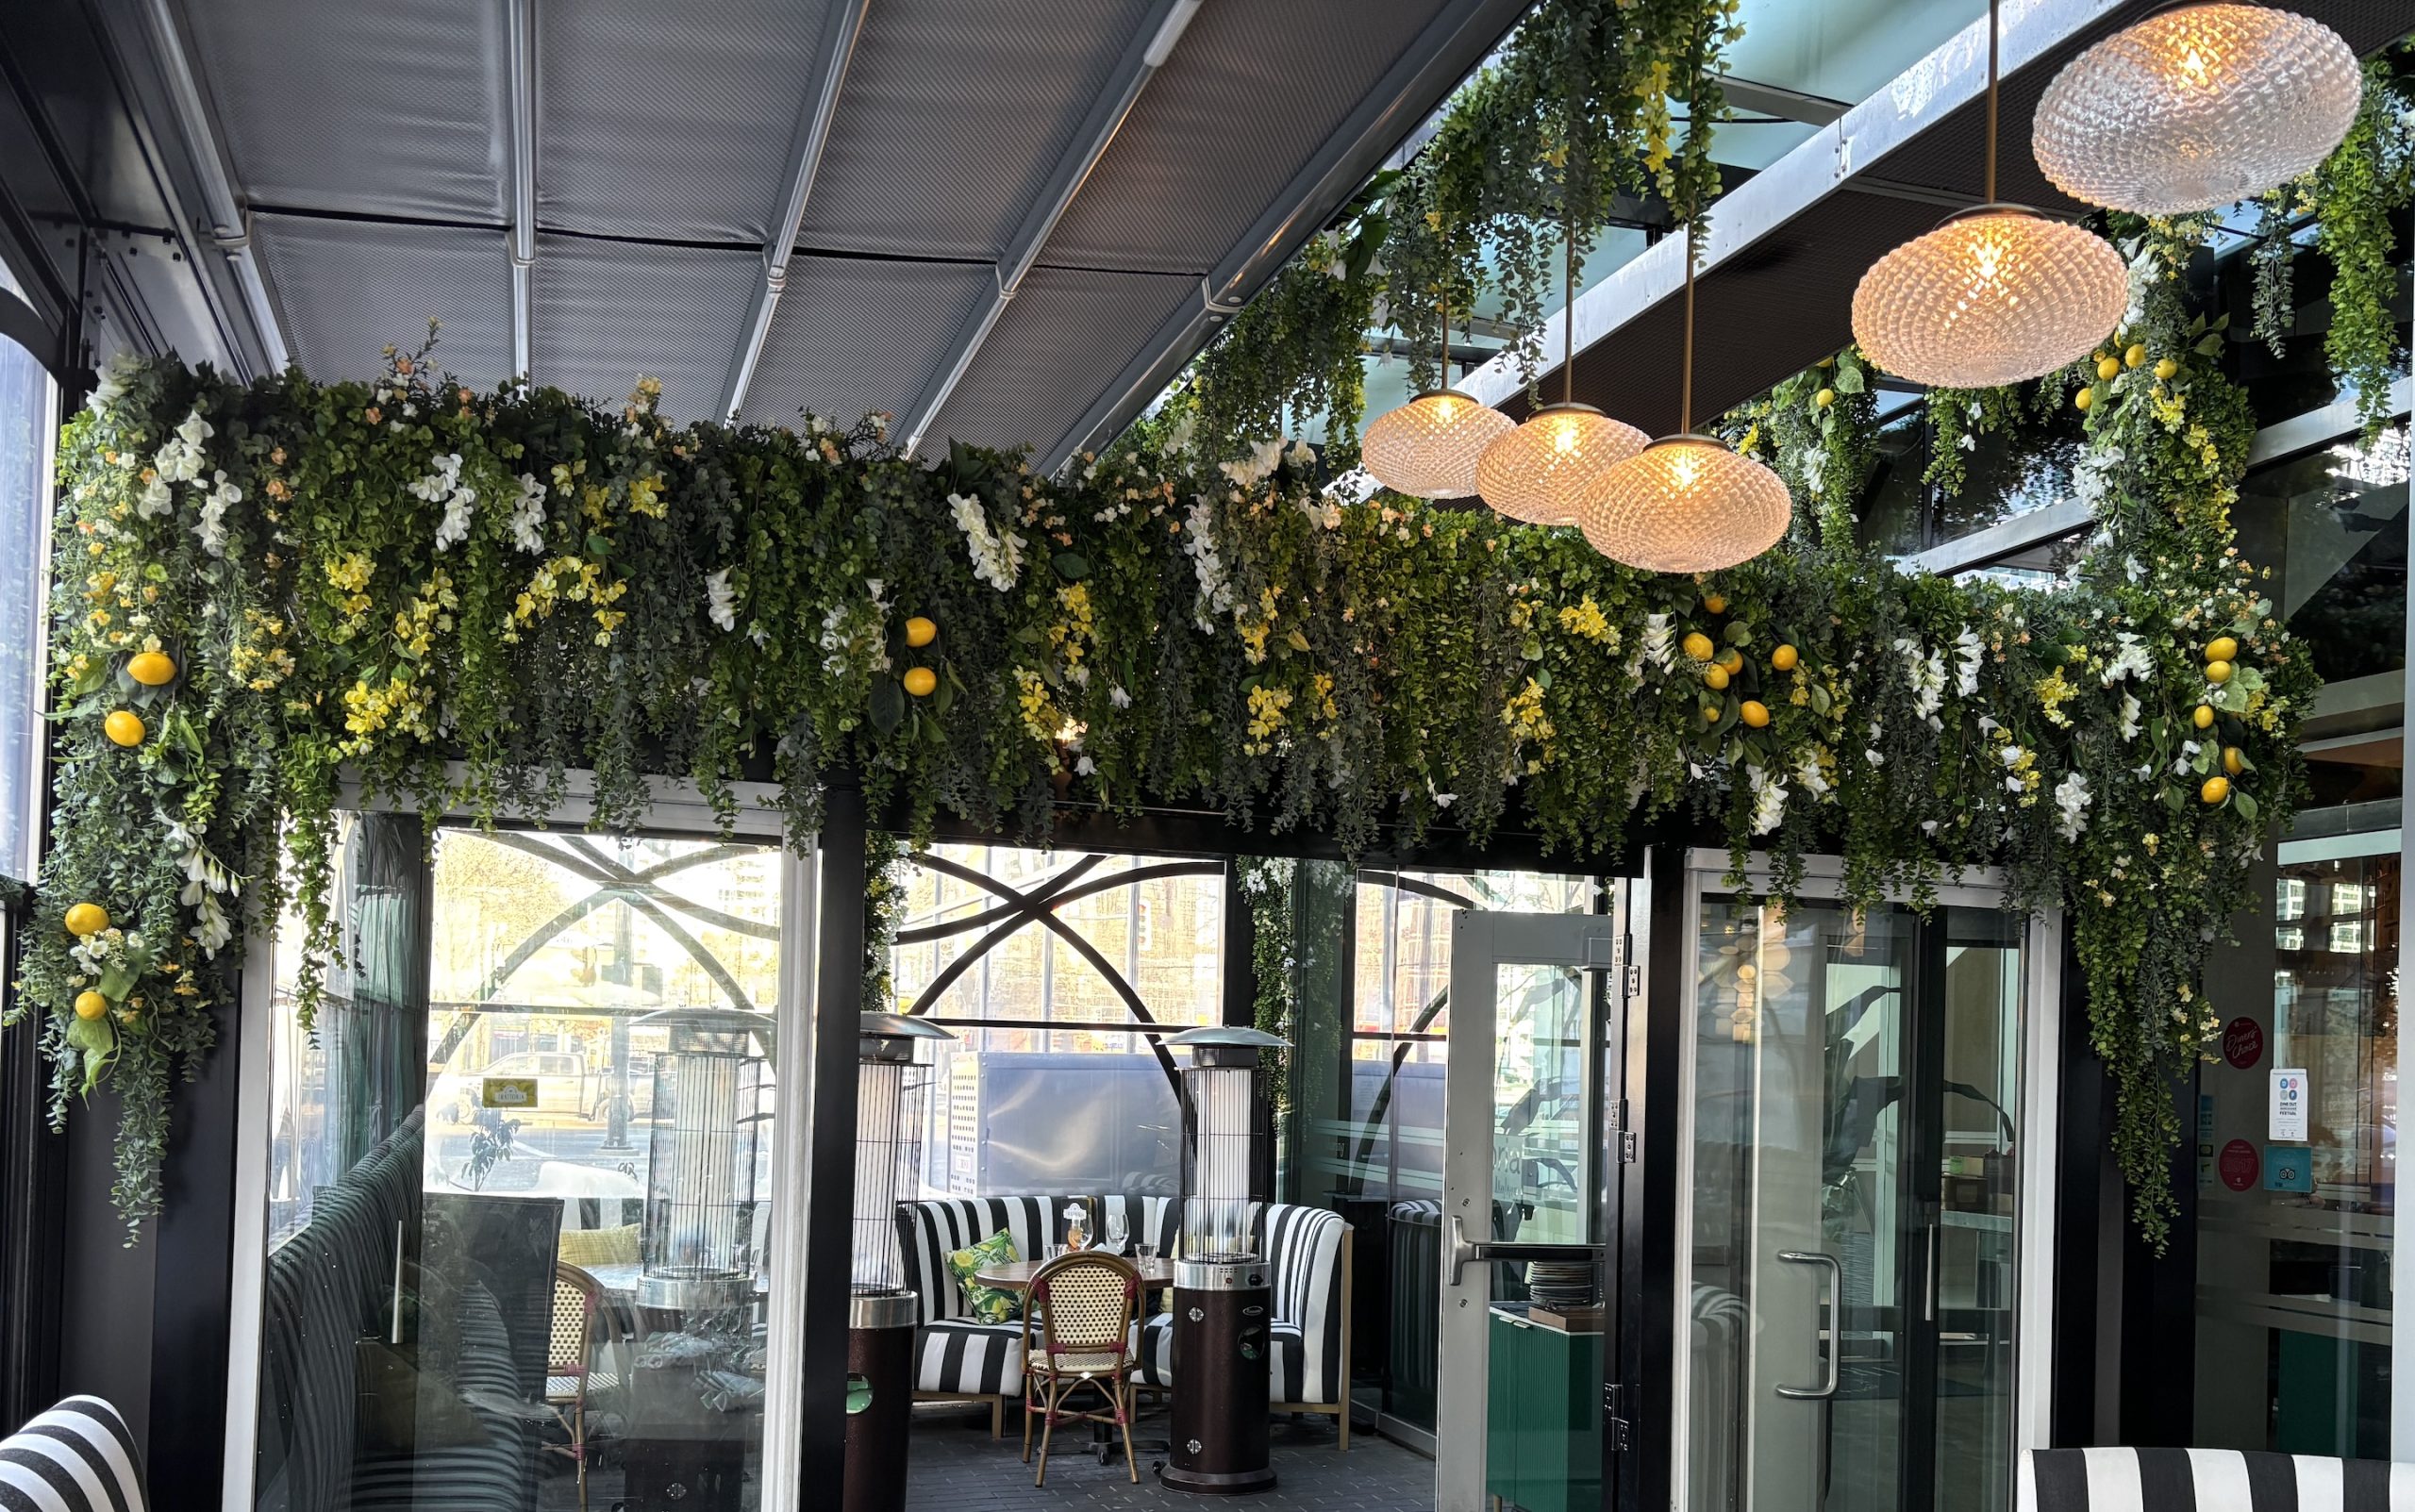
2136, 356
2084, 398
1710, 713
2167, 370
1784, 658
86, 919
2233, 761
125, 726
91, 1005
2215, 790
2204, 717
2222, 648
1714, 604
1754, 713
152, 669
920, 632
1697, 646
920, 681
2217, 672
1732, 660
1714, 677
2109, 368
1824, 398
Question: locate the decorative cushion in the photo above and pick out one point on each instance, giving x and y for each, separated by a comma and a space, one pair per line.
599, 1246
986, 1305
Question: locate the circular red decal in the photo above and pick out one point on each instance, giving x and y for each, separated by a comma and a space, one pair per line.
2243, 1043
2240, 1165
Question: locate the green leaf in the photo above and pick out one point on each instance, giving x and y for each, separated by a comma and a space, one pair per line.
1737, 634
117, 980
888, 706
1071, 565
1849, 378
1821, 702
2245, 804
597, 546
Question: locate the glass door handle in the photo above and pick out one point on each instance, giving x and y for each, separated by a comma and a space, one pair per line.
1458, 1250
1828, 1387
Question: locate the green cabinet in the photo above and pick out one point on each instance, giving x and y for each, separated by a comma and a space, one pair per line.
1543, 1415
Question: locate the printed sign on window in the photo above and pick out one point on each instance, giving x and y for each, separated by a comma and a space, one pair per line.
510, 1091
2285, 1120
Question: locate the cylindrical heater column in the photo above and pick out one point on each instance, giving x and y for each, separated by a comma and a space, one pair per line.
883, 1308
1222, 1304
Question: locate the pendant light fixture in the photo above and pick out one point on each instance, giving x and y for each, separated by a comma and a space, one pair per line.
2195, 107
1540, 473
1995, 294
1429, 446
1685, 503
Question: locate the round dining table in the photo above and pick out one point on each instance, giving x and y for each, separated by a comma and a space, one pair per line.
1156, 1275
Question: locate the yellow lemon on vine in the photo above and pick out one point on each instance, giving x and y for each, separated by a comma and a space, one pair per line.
1696, 646
2084, 398
920, 681
1714, 677
124, 726
1784, 658
2136, 356
1754, 713
1732, 660
1714, 604
1710, 713
920, 632
2204, 717
91, 1005
2222, 648
1824, 398
2215, 790
2233, 761
2217, 672
2108, 368
152, 669
86, 919
2167, 370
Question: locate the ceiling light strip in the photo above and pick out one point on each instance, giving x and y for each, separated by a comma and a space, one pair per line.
812, 138
520, 144
227, 225
1152, 45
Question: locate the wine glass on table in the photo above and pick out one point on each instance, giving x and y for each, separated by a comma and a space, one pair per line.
1117, 1231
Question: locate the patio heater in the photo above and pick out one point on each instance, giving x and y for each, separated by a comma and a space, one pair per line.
883, 1307
697, 1246
1221, 1301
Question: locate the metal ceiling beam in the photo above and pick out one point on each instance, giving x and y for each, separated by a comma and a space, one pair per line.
225, 223
1452, 45
520, 130
1151, 46
1777, 99
840, 33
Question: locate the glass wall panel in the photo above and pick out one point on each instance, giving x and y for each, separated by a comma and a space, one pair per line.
519, 1178
1046, 966
25, 395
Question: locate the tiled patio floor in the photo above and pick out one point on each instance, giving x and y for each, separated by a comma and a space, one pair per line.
958, 1468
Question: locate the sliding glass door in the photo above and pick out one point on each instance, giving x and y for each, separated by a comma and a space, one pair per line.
1854, 1185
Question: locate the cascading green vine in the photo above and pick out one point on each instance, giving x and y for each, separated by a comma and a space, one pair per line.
1820, 430
1266, 884
1956, 418
884, 908
455, 598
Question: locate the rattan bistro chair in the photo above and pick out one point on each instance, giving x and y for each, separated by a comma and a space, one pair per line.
1087, 1308
582, 1329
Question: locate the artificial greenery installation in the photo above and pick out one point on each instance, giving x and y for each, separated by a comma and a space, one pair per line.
1266, 888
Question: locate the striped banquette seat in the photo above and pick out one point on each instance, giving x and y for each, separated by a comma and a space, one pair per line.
76, 1457
961, 1358
2207, 1480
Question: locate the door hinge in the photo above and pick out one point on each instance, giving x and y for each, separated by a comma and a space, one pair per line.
1627, 1147
1614, 1425
1634, 980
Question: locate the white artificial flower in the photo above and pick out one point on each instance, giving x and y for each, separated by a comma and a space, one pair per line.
528, 515
1301, 456
1215, 593
1768, 799
2130, 725
157, 498
1085, 767
442, 484
2072, 798
213, 528
1321, 511
1925, 671
1658, 641
997, 555
2131, 659
1263, 457
1807, 772
115, 379
1118, 697
2010, 756
1968, 651
1178, 434
721, 604
180, 460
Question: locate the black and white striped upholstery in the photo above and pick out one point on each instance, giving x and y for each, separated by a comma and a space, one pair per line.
2208, 1480
1304, 1249
76, 1457
957, 1356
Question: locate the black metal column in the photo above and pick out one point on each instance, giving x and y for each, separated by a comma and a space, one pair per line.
1652, 1312
33, 1192
829, 1186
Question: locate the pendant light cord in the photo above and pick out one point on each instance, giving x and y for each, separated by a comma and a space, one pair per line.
1686, 363
1568, 296
1988, 195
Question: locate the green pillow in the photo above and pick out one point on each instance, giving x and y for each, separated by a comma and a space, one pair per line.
988, 1305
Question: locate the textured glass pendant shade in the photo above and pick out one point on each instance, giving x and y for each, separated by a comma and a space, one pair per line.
2197, 106
1994, 295
1539, 472
1686, 504
1429, 445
